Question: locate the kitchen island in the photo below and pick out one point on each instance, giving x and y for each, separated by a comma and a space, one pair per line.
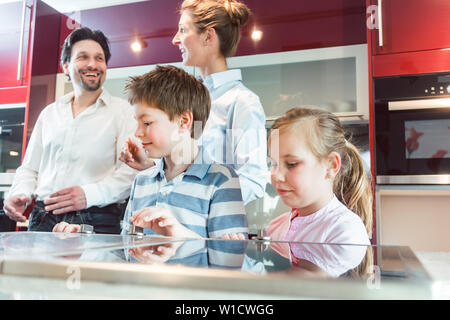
36, 265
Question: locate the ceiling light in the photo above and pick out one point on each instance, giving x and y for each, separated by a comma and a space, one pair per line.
137, 45
256, 35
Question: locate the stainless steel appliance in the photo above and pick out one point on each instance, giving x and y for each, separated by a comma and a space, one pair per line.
412, 129
11, 135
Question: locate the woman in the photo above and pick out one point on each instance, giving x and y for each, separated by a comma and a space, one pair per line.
208, 33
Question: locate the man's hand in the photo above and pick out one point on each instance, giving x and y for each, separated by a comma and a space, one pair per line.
15, 206
66, 200
66, 227
135, 156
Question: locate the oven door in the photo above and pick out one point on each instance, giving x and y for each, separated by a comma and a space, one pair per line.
412, 141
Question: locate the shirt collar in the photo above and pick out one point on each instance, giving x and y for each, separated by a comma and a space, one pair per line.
104, 99
215, 80
199, 168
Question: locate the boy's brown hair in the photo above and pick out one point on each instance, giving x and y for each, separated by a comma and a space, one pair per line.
173, 91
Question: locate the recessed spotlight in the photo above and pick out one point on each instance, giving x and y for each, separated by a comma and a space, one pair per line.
137, 45
256, 35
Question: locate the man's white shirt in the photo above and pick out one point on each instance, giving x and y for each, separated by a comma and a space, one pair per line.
64, 151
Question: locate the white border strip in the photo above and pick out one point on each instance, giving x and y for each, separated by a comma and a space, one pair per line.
13, 105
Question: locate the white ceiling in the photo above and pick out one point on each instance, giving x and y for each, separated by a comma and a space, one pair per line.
76, 5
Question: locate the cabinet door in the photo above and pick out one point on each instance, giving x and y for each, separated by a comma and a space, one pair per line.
14, 39
411, 25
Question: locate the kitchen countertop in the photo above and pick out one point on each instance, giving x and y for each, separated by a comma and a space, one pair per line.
43, 266
437, 264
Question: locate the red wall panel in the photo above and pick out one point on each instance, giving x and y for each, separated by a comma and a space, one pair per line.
286, 25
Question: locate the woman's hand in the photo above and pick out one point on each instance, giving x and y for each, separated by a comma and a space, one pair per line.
135, 156
161, 221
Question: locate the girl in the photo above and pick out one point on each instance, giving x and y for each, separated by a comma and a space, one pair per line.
208, 33
321, 176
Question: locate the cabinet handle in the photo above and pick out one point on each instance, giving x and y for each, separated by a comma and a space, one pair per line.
439, 103
380, 23
22, 31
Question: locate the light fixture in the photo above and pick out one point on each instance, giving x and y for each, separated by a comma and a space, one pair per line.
13, 153
256, 35
137, 45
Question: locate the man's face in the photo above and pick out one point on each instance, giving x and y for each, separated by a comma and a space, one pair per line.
87, 66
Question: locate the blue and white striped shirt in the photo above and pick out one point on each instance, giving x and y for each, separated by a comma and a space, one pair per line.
206, 198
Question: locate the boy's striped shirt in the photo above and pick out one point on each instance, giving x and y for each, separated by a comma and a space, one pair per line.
206, 198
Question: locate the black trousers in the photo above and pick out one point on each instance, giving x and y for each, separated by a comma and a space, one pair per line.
104, 220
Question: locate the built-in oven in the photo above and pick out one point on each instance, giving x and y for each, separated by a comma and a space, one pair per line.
11, 136
412, 129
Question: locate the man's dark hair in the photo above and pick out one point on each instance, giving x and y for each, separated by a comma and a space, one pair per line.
84, 34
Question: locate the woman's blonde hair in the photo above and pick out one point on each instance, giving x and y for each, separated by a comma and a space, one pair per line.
225, 16
324, 134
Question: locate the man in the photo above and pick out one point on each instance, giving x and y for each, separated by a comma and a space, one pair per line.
71, 162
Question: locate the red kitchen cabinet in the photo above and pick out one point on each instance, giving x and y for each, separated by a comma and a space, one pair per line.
411, 25
28, 78
408, 36
15, 19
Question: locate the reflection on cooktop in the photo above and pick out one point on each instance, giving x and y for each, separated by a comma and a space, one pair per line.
249, 256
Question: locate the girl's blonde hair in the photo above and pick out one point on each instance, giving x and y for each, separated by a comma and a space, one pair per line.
225, 16
324, 134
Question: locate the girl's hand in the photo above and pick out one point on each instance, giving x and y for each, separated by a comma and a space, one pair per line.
161, 221
135, 156
67, 228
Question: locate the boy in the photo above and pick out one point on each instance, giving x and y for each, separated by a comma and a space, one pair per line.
183, 195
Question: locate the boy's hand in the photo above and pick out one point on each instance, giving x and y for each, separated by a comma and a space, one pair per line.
232, 236
135, 156
152, 254
15, 206
161, 221
67, 228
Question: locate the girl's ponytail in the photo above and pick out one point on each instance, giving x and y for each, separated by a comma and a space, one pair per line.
352, 186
